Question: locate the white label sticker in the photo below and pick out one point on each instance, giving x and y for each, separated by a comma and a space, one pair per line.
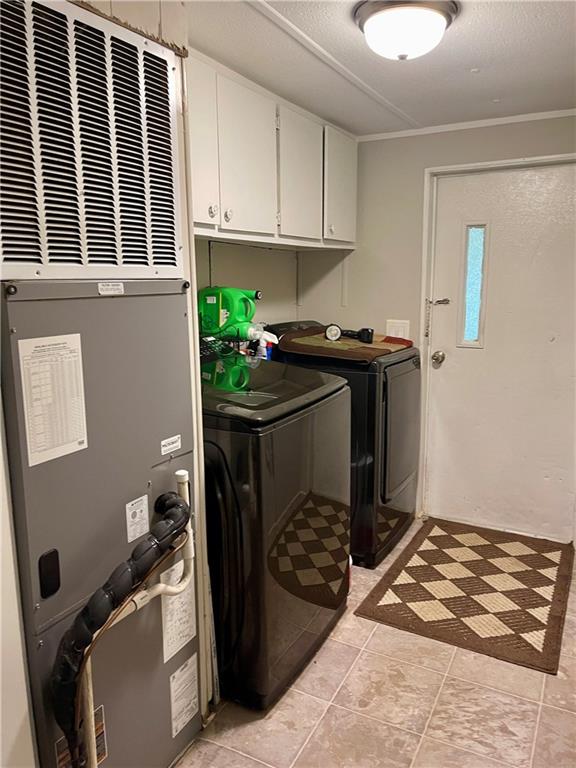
178, 613
111, 289
184, 695
210, 299
137, 522
53, 393
171, 444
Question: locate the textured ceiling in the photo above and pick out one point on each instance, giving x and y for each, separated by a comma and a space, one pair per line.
312, 54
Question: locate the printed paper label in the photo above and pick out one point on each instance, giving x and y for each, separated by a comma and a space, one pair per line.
53, 393
184, 695
178, 613
171, 444
111, 289
137, 522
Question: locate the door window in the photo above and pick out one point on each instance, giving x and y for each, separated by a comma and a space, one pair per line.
472, 316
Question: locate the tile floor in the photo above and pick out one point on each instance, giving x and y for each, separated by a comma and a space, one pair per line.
378, 697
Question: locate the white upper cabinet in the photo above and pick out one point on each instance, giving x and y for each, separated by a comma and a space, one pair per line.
300, 169
251, 182
247, 153
203, 128
340, 185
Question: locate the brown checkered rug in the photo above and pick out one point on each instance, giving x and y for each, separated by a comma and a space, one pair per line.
487, 591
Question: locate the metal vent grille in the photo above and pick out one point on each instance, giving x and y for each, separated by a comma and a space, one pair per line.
130, 138
96, 143
88, 147
159, 151
56, 130
19, 226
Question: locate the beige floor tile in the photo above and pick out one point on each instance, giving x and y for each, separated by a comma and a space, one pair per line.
362, 582
571, 609
326, 670
347, 740
487, 722
352, 629
478, 668
407, 646
274, 736
203, 754
556, 740
433, 754
560, 689
390, 691
569, 636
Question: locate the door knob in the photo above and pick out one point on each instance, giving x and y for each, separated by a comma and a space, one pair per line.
212, 211
438, 357
228, 214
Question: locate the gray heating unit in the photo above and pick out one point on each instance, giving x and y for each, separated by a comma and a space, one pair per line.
97, 398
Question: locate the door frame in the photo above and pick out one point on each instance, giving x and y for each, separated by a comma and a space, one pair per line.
431, 178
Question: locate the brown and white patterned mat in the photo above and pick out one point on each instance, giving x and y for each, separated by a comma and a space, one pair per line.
493, 592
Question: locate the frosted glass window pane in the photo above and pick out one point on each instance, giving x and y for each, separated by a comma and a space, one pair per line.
474, 273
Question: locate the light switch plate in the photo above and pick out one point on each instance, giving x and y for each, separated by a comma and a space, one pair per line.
398, 328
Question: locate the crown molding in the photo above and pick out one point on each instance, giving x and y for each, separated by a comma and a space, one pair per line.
469, 125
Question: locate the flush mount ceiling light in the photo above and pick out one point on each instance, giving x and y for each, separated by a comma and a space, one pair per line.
404, 29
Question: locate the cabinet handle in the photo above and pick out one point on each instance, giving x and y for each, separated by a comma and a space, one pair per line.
331, 229
212, 211
228, 213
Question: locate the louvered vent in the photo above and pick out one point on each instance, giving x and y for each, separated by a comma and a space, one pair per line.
87, 147
159, 151
130, 144
56, 130
95, 143
19, 223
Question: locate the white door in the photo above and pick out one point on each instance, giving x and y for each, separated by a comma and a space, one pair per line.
501, 414
340, 183
247, 149
300, 168
203, 127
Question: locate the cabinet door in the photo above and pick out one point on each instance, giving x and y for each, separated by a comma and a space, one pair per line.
340, 185
247, 144
203, 129
300, 175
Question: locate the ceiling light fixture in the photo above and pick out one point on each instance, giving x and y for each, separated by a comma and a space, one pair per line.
404, 29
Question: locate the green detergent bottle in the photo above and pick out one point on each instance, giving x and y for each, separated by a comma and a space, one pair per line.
227, 312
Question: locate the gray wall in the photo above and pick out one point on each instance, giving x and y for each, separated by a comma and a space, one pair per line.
384, 272
272, 271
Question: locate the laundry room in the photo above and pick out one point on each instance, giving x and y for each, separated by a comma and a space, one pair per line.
288, 387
